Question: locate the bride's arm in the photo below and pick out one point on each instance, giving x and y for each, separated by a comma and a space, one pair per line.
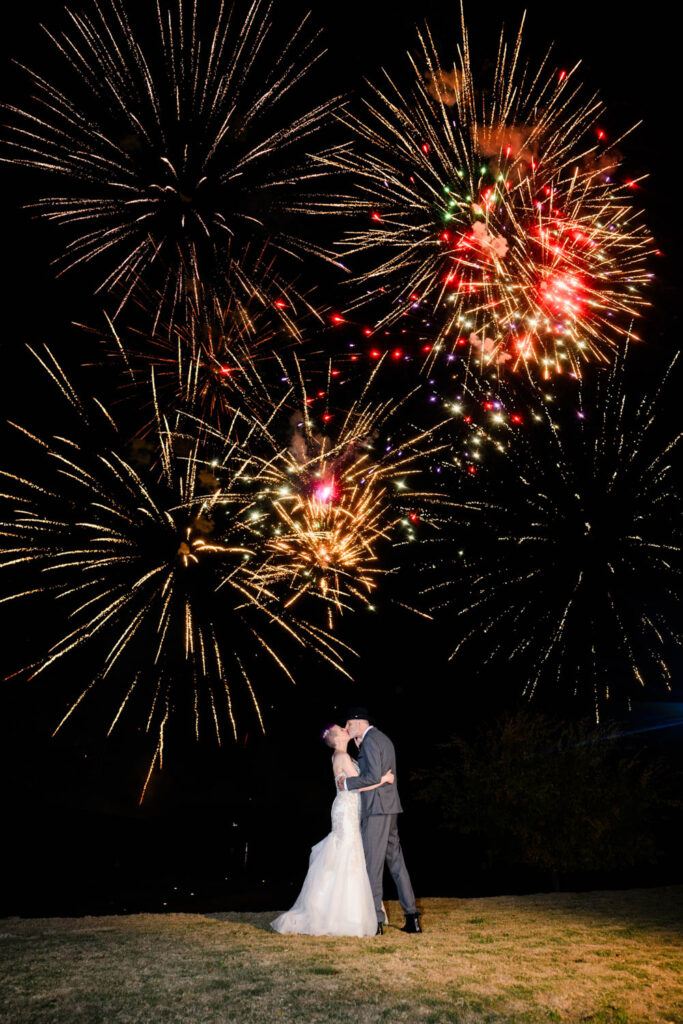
386, 780
343, 765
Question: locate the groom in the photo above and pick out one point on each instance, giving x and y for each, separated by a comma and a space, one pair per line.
380, 810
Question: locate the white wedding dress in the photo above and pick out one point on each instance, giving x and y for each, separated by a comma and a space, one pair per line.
335, 898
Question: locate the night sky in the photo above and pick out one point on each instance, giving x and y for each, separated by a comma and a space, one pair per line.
78, 838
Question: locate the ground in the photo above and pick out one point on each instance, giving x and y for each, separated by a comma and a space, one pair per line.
601, 957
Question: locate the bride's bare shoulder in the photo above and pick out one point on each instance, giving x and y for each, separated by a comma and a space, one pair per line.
341, 762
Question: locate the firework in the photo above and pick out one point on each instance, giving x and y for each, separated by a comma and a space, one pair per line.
342, 484
208, 359
330, 545
153, 557
500, 213
565, 564
173, 153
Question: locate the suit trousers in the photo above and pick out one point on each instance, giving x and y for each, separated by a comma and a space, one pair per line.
381, 844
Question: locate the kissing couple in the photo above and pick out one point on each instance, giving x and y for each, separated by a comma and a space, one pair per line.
342, 892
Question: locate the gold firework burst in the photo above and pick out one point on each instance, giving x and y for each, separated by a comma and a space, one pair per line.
159, 570
173, 155
503, 212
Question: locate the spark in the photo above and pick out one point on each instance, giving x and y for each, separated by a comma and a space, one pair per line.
159, 570
572, 553
499, 209
173, 155
332, 496
208, 358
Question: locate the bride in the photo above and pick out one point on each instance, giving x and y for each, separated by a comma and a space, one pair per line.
336, 898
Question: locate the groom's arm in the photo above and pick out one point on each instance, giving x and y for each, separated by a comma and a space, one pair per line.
372, 773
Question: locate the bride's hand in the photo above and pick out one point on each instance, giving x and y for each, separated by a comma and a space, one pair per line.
388, 777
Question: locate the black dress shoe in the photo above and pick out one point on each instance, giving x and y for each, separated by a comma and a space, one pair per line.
380, 928
412, 924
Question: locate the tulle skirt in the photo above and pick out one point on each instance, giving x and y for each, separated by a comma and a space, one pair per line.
336, 898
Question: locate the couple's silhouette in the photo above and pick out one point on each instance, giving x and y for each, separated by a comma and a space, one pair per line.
342, 892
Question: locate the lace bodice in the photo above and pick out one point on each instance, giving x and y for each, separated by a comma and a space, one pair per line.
345, 810
345, 814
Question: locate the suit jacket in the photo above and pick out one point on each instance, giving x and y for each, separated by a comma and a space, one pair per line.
376, 756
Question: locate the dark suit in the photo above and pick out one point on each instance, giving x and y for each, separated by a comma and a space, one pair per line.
379, 813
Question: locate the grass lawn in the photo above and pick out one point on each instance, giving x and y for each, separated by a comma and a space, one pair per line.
601, 957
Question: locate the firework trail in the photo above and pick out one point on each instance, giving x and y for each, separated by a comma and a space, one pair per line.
173, 151
158, 571
500, 212
565, 566
209, 359
343, 486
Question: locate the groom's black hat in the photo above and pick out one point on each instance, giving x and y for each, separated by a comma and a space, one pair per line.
357, 712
